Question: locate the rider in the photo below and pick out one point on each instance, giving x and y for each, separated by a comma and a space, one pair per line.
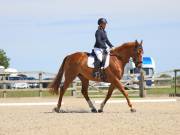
100, 45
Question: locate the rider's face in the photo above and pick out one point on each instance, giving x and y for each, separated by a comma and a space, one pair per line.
103, 25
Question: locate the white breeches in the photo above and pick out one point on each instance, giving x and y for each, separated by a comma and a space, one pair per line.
99, 53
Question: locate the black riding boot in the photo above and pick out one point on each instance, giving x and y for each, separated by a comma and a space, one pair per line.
102, 72
97, 69
105, 54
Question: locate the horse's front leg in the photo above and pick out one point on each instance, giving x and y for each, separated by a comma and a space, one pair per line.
119, 85
110, 90
85, 94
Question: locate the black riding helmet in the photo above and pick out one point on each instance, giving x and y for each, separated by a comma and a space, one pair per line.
102, 20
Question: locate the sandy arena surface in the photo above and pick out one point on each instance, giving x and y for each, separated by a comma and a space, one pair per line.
150, 118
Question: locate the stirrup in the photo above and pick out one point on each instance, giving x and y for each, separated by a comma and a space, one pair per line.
96, 74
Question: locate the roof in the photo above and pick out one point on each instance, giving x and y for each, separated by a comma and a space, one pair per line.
1, 67
147, 60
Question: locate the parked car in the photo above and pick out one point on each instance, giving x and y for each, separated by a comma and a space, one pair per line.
32, 84
12, 78
15, 78
20, 86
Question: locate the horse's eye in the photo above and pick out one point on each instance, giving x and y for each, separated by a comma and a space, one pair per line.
139, 51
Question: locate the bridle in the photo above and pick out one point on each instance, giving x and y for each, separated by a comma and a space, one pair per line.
136, 52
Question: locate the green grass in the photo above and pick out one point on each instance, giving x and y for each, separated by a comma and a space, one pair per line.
135, 94
22, 93
47, 94
1, 94
95, 94
29, 93
161, 91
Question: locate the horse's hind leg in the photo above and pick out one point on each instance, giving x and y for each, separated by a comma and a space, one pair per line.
84, 91
111, 88
69, 77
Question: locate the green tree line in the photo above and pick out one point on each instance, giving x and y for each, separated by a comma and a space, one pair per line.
4, 60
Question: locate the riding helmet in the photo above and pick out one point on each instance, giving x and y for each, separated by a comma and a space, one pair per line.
102, 20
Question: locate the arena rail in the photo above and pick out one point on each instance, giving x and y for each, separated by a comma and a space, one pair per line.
74, 86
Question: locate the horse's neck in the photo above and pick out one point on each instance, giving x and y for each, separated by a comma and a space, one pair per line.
124, 53
121, 65
124, 58
124, 62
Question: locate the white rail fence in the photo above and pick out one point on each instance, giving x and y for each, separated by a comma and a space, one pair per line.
131, 83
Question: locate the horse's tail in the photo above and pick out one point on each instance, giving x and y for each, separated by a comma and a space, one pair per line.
54, 86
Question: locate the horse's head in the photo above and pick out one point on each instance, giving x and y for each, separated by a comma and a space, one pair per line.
127, 50
137, 54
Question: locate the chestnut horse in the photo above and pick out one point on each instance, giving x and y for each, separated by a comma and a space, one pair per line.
75, 65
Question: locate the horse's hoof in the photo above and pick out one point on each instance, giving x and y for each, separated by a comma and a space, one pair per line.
56, 110
133, 110
62, 111
100, 111
94, 110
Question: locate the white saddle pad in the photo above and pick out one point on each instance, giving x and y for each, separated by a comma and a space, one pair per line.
90, 62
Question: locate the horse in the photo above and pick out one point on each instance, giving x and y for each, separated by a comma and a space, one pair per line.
75, 65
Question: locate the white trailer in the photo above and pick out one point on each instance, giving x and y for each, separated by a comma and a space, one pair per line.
148, 65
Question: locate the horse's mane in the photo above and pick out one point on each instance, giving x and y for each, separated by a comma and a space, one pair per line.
121, 48
125, 45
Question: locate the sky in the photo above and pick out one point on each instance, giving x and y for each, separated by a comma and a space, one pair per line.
38, 34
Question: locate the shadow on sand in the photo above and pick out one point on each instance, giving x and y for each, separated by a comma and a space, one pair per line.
70, 111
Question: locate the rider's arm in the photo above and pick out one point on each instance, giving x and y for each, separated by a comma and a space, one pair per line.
109, 43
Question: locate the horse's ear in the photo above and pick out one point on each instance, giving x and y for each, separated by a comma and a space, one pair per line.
141, 42
136, 41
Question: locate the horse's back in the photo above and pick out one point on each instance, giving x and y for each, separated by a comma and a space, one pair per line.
77, 57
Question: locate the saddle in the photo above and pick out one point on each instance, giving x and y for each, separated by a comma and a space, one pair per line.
92, 60
99, 68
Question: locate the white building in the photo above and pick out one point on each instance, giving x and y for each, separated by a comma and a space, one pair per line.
11, 71
1, 69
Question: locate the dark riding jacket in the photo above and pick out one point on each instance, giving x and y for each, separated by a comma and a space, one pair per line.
102, 39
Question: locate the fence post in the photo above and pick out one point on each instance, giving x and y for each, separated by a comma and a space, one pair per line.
40, 93
3, 79
175, 93
142, 91
40, 80
73, 90
4, 94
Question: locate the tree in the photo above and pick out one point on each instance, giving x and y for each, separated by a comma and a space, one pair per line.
4, 60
